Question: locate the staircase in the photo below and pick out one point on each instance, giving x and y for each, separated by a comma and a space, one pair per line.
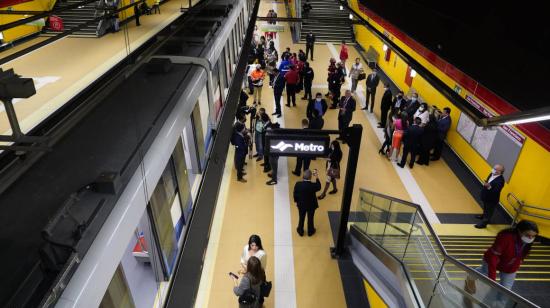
339, 29
76, 17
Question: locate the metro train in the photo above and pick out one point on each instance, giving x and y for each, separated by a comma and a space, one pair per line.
132, 258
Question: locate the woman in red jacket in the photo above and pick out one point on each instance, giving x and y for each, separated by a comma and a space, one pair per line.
510, 248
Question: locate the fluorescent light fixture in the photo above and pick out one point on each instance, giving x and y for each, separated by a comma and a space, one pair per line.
350, 16
341, 8
528, 120
385, 47
413, 73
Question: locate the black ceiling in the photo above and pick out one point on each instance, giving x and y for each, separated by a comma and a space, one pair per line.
504, 46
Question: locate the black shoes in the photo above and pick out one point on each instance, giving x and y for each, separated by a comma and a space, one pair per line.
300, 232
401, 165
312, 232
296, 173
481, 225
364, 108
332, 192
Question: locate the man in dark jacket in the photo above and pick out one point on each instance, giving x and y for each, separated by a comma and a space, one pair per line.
310, 43
306, 200
411, 142
399, 102
490, 195
241, 150
318, 103
443, 126
412, 106
278, 87
292, 77
347, 107
300, 160
308, 76
372, 83
385, 105
335, 84
316, 121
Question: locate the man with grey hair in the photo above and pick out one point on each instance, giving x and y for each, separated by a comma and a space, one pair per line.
306, 200
490, 195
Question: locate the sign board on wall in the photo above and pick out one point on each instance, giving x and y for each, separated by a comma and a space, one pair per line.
500, 145
297, 145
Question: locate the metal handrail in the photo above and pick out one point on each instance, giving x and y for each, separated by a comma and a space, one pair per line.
520, 209
469, 271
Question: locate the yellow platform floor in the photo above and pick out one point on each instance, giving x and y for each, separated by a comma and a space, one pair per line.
253, 207
66, 67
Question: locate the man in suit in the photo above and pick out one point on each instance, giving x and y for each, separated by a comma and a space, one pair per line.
399, 102
310, 43
335, 84
411, 142
241, 150
412, 106
443, 126
307, 74
385, 105
347, 107
316, 121
319, 103
306, 200
300, 160
278, 87
490, 195
372, 82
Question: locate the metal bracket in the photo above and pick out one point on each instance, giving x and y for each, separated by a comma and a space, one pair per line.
17, 136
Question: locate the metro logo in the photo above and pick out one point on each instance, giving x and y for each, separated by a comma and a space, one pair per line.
298, 146
281, 146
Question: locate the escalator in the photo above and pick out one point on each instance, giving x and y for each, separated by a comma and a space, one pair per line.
398, 252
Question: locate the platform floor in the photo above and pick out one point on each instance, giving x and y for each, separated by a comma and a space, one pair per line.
302, 271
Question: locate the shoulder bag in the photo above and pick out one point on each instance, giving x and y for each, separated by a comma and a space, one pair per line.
248, 297
265, 288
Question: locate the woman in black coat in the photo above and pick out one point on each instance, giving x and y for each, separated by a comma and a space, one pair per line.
428, 140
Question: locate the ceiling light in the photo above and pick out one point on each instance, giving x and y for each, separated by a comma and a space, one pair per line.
385, 47
528, 120
341, 8
350, 16
413, 73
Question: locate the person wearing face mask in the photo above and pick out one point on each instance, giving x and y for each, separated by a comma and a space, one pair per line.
257, 77
372, 83
308, 76
385, 105
490, 195
354, 72
412, 106
310, 43
345, 114
423, 114
399, 102
318, 103
509, 250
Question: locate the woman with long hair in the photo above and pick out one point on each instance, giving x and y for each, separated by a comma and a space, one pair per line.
399, 125
333, 168
388, 133
252, 281
254, 248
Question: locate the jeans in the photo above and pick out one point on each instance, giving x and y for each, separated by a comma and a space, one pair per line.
258, 95
277, 102
290, 94
506, 280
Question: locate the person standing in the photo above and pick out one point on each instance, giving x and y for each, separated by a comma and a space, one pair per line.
254, 248
333, 168
347, 107
136, 15
259, 133
286, 54
490, 195
423, 114
399, 102
344, 54
257, 76
306, 7
443, 126
356, 69
302, 55
330, 71
310, 43
306, 201
412, 107
372, 83
427, 141
292, 77
385, 105
278, 87
319, 104
308, 75
411, 142
300, 160
336, 84
316, 121
241, 150
252, 280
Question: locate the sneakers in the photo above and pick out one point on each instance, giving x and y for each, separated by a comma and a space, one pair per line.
271, 182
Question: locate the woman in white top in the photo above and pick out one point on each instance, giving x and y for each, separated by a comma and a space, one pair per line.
354, 72
253, 248
423, 114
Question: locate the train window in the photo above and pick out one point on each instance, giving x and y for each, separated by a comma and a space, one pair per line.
234, 36
196, 120
166, 217
178, 155
118, 294
228, 59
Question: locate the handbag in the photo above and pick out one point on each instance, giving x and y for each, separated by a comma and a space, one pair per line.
333, 173
265, 288
362, 76
248, 297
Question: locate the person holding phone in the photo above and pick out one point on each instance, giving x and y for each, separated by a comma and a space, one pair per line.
306, 201
249, 285
254, 248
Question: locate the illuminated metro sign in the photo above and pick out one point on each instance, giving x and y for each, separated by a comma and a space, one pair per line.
298, 145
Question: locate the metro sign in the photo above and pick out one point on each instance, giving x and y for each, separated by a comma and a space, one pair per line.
297, 145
